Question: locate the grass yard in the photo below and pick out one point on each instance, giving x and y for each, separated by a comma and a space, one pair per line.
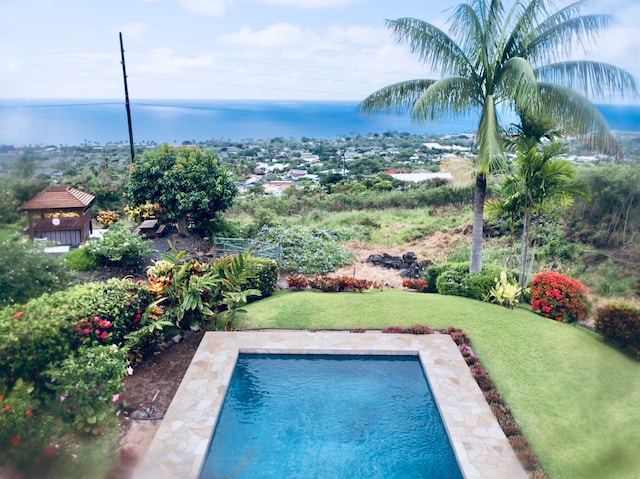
575, 397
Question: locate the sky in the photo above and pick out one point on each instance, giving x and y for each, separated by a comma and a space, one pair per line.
235, 49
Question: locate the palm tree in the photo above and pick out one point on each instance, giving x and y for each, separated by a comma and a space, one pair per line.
539, 182
510, 58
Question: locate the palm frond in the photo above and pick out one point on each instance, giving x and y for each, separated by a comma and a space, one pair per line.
446, 97
398, 97
578, 116
554, 41
433, 46
517, 81
589, 77
523, 27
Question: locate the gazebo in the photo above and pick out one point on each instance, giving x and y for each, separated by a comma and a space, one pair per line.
61, 214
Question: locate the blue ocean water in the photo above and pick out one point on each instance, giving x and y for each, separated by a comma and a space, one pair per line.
301, 416
73, 122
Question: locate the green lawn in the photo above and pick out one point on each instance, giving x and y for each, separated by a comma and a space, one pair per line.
577, 399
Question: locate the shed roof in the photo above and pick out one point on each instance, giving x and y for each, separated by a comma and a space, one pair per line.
59, 197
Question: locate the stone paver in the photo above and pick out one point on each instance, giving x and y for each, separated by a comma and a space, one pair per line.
180, 445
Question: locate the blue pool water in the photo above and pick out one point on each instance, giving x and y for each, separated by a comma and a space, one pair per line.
329, 416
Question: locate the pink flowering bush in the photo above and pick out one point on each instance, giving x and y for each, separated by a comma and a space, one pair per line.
558, 297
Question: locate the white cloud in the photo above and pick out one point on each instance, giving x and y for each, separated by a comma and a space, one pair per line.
135, 29
212, 8
276, 35
311, 3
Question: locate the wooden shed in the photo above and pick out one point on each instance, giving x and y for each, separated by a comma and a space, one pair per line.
61, 214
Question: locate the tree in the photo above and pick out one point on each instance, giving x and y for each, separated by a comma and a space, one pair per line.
540, 181
510, 58
186, 182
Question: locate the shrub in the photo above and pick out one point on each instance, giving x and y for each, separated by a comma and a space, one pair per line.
108, 217
78, 259
557, 297
431, 274
297, 282
457, 334
419, 329
417, 284
43, 331
29, 273
482, 377
88, 384
333, 284
26, 428
119, 245
307, 250
394, 329
620, 324
456, 280
263, 275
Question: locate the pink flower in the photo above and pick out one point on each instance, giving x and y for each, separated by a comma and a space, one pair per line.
86, 331
103, 335
97, 331
96, 318
18, 315
115, 397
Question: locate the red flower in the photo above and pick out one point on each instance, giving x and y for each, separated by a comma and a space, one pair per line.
15, 440
18, 315
6, 408
48, 451
29, 412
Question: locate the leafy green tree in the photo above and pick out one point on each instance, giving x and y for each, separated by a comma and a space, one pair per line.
186, 182
505, 57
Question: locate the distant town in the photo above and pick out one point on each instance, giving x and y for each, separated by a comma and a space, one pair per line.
277, 163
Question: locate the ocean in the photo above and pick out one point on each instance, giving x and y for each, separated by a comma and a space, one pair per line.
74, 122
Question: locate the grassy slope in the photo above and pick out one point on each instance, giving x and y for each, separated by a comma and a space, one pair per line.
575, 397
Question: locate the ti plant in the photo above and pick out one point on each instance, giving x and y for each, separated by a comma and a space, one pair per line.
234, 273
505, 293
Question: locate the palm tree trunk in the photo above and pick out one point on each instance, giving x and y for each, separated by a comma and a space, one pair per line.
478, 223
524, 244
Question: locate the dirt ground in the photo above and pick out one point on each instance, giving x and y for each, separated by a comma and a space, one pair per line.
149, 391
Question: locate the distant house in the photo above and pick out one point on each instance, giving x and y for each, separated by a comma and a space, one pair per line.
60, 214
276, 188
420, 177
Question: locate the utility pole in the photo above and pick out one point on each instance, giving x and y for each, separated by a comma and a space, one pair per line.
126, 101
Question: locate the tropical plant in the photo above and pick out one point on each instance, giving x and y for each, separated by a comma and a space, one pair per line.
234, 272
509, 57
538, 182
504, 293
119, 245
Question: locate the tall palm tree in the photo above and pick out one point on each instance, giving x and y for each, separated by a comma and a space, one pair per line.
509, 57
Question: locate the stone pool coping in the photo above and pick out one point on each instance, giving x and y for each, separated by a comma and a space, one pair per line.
181, 442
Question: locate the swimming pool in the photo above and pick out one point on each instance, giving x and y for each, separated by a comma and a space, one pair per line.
320, 416
181, 442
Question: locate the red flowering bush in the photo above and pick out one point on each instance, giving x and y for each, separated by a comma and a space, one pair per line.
93, 331
558, 297
417, 284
